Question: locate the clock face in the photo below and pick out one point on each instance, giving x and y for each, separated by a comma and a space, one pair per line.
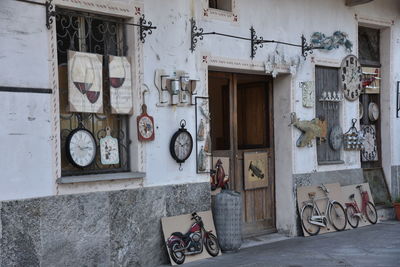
109, 150
373, 111
369, 152
351, 77
81, 147
336, 137
146, 128
181, 145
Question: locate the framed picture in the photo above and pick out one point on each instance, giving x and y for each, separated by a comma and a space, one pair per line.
121, 98
256, 170
85, 82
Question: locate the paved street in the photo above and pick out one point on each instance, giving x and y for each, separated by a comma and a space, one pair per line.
376, 245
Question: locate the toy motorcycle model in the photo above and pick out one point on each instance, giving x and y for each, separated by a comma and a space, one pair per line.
192, 242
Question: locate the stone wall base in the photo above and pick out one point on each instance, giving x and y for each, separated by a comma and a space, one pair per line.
117, 228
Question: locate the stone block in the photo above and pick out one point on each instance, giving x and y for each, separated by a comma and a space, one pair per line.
75, 230
20, 233
188, 198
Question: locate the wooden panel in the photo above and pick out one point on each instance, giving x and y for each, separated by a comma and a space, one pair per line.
250, 123
327, 79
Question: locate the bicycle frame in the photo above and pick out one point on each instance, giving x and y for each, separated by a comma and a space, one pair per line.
320, 220
364, 203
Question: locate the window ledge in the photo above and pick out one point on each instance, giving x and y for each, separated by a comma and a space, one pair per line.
101, 177
333, 162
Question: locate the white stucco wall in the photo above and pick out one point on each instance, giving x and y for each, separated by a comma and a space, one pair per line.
25, 133
24, 62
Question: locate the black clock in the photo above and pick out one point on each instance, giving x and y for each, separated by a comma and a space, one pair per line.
181, 144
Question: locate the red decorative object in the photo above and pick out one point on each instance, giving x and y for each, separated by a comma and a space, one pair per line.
145, 126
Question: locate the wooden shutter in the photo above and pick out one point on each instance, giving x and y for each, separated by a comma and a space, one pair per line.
327, 79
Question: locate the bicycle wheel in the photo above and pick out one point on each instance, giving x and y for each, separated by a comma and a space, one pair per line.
306, 212
370, 211
351, 218
337, 216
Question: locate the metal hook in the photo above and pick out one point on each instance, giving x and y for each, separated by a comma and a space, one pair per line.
353, 121
147, 90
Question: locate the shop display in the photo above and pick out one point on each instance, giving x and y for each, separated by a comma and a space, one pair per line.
371, 80
198, 242
218, 177
121, 99
369, 152
352, 139
145, 126
109, 152
336, 137
256, 169
85, 82
373, 111
331, 100
308, 90
201, 131
337, 39
202, 160
351, 77
181, 144
310, 130
81, 147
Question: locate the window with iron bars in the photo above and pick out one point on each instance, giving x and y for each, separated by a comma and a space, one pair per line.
86, 32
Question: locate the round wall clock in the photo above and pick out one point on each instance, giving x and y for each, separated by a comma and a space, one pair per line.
336, 137
109, 153
145, 126
373, 111
360, 110
181, 144
81, 147
369, 151
351, 77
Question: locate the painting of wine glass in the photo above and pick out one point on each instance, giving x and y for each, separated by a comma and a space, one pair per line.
85, 86
120, 85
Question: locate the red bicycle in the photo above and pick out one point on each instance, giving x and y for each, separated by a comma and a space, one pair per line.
367, 209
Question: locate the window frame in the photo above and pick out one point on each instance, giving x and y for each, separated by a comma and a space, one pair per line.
220, 14
131, 14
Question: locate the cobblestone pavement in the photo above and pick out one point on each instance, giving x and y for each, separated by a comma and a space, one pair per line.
374, 245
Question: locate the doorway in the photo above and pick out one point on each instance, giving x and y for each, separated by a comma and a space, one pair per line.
241, 107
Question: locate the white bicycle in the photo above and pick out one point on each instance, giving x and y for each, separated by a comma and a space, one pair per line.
312, 219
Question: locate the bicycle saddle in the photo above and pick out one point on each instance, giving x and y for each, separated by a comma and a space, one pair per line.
351, 196
311, 194
358, 186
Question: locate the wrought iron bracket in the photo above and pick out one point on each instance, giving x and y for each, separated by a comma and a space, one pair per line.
50, 13
195, 34
146, 28
256, 42
306, 48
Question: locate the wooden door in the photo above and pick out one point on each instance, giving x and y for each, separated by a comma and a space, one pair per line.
241, 122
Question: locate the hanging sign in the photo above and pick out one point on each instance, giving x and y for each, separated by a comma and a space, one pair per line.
109, 149
120, 85
145, 126
85, 82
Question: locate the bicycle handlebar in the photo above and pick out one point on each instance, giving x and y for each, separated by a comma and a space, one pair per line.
323, 187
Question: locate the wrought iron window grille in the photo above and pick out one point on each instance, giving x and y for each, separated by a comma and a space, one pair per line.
145, 27
256, 42
86, 32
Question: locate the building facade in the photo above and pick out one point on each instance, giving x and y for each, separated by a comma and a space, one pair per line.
234, 94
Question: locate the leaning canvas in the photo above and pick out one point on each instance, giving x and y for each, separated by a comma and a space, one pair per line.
85, 82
